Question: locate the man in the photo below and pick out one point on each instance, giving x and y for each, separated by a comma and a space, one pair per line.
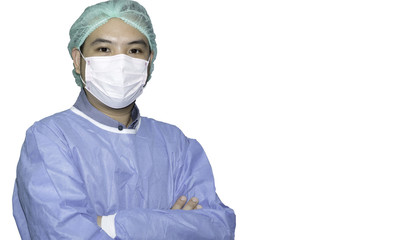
99, 170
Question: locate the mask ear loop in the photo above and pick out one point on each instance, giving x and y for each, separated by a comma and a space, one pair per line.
82, 54
80, 75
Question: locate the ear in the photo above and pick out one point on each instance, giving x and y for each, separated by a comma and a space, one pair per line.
150, 60
151, 57
77, 60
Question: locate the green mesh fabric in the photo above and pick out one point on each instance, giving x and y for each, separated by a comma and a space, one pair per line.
94, 16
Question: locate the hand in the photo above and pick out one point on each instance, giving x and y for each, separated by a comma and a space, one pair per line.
191, 205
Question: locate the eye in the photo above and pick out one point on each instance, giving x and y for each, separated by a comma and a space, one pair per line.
135, 51
103, 49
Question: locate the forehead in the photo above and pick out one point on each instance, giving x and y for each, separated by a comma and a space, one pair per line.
116, 30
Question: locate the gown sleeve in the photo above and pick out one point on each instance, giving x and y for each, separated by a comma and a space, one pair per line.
50, 201
193, 177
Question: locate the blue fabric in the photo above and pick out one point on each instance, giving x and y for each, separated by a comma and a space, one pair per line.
71, 170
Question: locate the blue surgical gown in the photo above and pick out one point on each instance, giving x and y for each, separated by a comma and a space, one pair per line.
75, 166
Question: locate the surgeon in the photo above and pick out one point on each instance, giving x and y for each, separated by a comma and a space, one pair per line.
100, 170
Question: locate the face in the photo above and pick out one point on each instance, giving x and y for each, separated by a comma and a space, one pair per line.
112, 38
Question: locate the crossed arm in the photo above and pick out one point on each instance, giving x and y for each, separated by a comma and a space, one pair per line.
180, 204
51, 202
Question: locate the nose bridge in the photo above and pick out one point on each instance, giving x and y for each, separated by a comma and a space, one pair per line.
120, 48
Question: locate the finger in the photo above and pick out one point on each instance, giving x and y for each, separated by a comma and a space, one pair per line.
99, 220
198, 207
179, 203
191, 204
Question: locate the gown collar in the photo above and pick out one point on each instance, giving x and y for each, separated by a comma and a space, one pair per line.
84, 106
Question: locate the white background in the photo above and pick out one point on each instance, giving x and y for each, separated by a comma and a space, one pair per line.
292, 101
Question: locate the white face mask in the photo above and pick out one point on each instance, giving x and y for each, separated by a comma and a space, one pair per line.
116, 80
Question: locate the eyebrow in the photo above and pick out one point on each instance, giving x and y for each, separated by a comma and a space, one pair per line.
142, 42
101, 40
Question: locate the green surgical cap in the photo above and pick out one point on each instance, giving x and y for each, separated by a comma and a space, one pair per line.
94, 16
